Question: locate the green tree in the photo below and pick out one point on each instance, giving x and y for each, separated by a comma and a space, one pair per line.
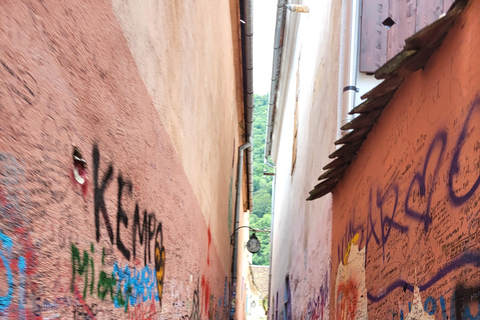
262, 257
262, 185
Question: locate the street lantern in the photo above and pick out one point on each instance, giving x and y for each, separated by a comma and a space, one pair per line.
253, 245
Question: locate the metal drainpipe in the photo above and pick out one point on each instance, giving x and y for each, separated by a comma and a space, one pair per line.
237, 207
247, 39
272, 221
247, 64
277, 59
350, 30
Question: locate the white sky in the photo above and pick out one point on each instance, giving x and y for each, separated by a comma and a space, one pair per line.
264, 15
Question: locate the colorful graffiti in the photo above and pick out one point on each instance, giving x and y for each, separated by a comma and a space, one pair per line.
125, 286
316, 308
424, 220
351, 301
17, 255
159, 261
149, 231
195, 312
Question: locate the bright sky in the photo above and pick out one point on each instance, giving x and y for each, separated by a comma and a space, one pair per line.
264, 15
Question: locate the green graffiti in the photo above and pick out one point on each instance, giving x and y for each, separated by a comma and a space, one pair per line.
120, 300
125, 286
106, 284
80, 267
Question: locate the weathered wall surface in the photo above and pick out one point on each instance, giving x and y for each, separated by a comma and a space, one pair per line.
188, 55
302, 230
120, 234
408, 207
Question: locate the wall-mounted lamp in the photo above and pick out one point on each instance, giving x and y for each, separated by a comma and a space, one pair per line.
253, 244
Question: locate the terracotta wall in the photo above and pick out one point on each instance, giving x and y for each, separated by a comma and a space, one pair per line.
127, 232
188, 56
406, 222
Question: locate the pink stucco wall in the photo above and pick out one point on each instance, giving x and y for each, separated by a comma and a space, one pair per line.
93, 250
412, 196
302, 229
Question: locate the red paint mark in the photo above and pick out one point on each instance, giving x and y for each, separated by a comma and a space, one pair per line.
347, 298
208, 249
84, 304
206, 294
29, 250
80, 177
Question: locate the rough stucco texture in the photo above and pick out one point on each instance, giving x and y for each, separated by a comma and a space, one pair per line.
410, 200
302, 229
122, 237
184, 51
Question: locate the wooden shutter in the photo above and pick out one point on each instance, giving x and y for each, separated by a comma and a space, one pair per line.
378, 44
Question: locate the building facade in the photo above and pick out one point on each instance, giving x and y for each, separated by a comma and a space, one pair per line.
121, 122
397, 237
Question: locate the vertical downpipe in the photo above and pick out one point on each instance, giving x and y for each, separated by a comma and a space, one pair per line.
241, 149
349, 56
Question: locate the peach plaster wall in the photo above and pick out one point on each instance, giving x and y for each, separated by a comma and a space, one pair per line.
188, 56
67, 78
406, 213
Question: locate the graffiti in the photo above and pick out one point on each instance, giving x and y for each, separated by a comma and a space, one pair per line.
209, 236
106, 283
81, 266
98, 192
144, 232
350, 230
421, 215
347, 298
82, 310
456, 199
48, 305
420, 197
80, 313
225, 293
125, 286
17, 257
417, 312
462, 244
195, 313
349, 247
159, 261
144, 312
464, 299
315, 309
464, 260
351, 301
206, 294
5, 255
420, 180
462, 302
122, 217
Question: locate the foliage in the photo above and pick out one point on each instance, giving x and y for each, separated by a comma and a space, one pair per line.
262, 185
262, 257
